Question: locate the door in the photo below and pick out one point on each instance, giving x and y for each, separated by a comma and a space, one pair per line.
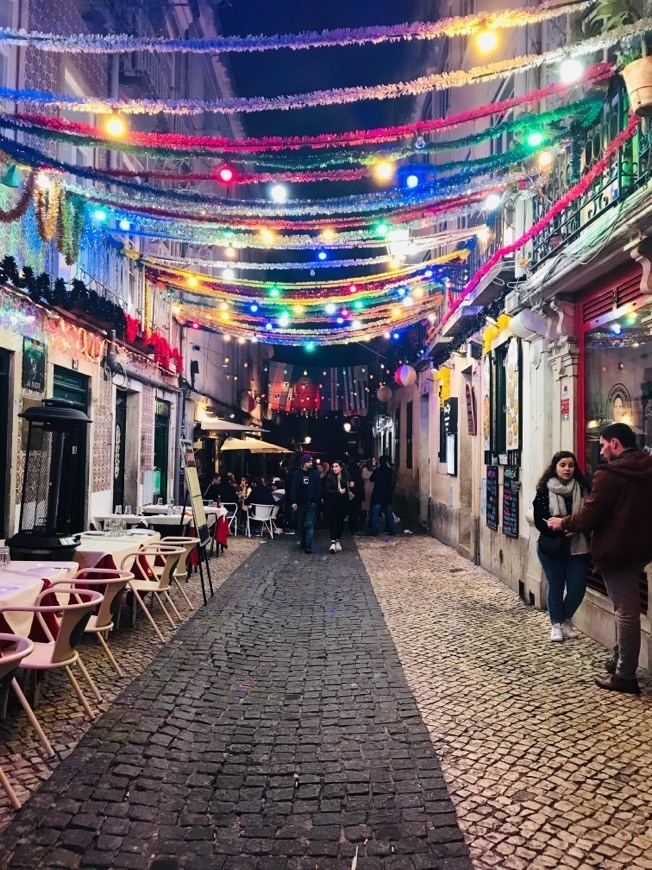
120, 448
161, 449
424, 459
4, 427
76, 388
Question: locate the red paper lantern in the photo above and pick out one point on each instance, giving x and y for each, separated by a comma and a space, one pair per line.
405, 376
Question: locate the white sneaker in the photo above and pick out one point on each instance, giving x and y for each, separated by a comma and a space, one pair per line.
556, 633
568, 629
332, 548
338, 547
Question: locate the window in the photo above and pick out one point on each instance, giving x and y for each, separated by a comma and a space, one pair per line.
408, 434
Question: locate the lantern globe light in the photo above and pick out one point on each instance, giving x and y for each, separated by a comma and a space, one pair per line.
347, 427
486, 40
571, 70
278, 193
115, 126
384, 171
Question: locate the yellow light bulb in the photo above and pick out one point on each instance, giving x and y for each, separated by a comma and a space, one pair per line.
115, 126
176, 309
419, 292
224, 306
192, 281
298, 309
230, 252
224, 315
267, 237
486, 40
328, 234
545, 159
396, 262
384, 171
396, 312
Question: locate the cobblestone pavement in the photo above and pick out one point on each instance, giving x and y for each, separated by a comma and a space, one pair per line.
59, 712
544, 768
275, 730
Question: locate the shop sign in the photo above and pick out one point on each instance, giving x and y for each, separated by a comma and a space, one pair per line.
565, 402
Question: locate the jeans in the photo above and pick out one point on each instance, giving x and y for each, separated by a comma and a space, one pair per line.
389, 517
306, 514
623, 590
564, 572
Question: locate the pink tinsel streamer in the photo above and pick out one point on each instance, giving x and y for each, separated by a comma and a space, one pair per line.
574, 193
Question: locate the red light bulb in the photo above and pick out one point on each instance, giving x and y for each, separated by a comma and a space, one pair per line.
225, 174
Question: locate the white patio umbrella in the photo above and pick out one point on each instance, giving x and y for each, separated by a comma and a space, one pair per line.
255, 445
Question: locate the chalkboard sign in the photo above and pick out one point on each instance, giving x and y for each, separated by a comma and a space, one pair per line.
194, 491
492, 497
511, 487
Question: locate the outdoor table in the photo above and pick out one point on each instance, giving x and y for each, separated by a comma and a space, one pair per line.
129, 519
21, 582
104, 551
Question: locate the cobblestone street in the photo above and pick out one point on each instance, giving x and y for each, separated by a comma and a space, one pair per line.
544, 768
275, 730
283, 727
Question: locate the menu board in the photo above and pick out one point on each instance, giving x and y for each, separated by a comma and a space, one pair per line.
511, 488
492, 497
194, 492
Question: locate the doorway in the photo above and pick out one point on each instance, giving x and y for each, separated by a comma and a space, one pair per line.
424, 460
161, 449
75, 388
120, 448
5, 359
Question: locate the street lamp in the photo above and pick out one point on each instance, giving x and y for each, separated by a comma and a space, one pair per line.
347, 427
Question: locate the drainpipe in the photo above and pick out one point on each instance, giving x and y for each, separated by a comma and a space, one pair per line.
131, 375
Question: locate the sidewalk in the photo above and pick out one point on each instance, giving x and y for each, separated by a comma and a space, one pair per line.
275, 730
544, 768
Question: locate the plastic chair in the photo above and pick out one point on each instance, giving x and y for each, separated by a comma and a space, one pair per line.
181, 571
10, 659
110, 583
157, 582
275, 511
263, 514
60, 652
232, 516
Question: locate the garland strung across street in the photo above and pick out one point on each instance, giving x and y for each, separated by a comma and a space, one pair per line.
424, 84
457, 26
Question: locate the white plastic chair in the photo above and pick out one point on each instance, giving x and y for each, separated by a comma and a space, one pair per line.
232, 516
263, 514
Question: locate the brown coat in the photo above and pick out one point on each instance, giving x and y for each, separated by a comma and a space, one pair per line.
619, 513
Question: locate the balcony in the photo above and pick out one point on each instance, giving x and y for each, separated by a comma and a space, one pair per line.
627, 173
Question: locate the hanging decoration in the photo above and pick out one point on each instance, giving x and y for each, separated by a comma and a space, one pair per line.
170, 144
424, 84
47, 199
405, 376
444, 385
384, 393
71, 227
10, 215
247, 403
458, 26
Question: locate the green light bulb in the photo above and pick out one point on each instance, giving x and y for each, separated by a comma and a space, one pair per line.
535, 139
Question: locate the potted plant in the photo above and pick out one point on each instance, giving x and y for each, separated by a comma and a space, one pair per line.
635, 64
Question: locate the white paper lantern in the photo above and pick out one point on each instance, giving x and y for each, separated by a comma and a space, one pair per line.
384, 393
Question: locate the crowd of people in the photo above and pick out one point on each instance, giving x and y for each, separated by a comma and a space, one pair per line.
351, 492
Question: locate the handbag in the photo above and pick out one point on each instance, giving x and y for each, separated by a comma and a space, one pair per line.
551, 547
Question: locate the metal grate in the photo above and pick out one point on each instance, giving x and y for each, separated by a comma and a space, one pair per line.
49, 480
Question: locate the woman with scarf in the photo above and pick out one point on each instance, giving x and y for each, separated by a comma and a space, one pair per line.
336, 503
564, 557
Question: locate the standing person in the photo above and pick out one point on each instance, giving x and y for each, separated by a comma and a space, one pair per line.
561, 492
618, 512
336, 503
305, 493
365, 507
356, 487
381, 496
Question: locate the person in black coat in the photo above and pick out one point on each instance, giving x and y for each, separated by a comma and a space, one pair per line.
336, 503
561, 492
356, 485
381, 496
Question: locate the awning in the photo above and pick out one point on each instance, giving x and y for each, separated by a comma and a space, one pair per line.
252, 444
227, 426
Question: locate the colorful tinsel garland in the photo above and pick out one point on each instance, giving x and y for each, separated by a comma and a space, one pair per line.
331, 96
457, 26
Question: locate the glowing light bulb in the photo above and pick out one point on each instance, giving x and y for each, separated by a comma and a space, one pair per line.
99, 215
412, 181
228, 274
274, 292
396, 312
284, 319
298, 309
225, 174
571, 70
357, 324
328, 234
353, 288
384, 171
267, 237
192, 281
535, 138
483, 235
310, 346
253, 308
407, 301
357, 305
386, 335
492, 202
43, 181
115, 126
381, 230
278, 193
230, 252
124, 225
330, 308
224, 306
340, 321
322, 255
420, 142
486, 40
545, 159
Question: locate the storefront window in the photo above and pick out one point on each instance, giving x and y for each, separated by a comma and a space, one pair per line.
618, 381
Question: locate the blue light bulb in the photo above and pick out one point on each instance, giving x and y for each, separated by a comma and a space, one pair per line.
322, 255
412, 181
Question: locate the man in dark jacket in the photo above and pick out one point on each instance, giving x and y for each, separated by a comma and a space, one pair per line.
305, 494
381, 496
618, 512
